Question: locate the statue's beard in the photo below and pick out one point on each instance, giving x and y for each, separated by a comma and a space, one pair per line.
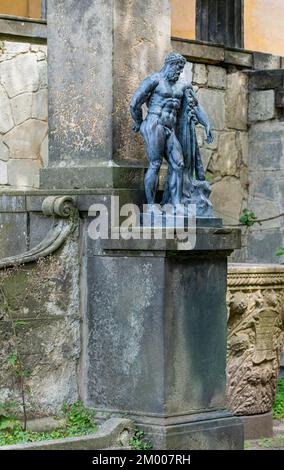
173, 76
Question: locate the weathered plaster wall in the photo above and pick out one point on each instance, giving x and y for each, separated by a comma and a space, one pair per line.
23, 117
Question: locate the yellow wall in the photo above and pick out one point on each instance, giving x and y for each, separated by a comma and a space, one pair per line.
183, 18
264, 26
28, 8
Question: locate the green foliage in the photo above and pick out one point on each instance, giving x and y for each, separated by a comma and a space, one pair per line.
278, 405
280, 252
79, 422
248, 218
138, 441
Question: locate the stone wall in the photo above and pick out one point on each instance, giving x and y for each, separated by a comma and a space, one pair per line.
23, 116
266, 164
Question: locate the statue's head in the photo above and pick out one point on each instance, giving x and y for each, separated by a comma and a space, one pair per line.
174, 65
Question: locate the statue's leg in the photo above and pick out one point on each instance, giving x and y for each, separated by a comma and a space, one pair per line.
154, 136
176, 162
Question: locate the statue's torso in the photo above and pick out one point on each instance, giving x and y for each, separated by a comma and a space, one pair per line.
165, 102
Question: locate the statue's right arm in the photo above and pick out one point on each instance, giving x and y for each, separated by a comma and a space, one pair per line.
140, 97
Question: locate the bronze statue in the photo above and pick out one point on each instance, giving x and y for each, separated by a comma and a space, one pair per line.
169, 132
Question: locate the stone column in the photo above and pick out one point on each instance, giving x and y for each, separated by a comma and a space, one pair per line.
98, 54
156, 342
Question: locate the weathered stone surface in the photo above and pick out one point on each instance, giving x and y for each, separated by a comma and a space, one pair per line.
22, 107
243, 145
199, 52
44, 151
25, 140
23, 173
46, 296
255, 336
266, 149
13, 234
217, 77
20, 74
3, 173
263, 61
243, 59
261, 105
199, 74
4, 152
227, 197
13, 48
279, 98
206, 155
226, 160
6, 120
236, 101
42, 70
139, 49
10, 203
262, 245
214, 103
266, 79
265, 208
40, 105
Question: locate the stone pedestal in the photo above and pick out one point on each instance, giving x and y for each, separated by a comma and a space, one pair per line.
156, 348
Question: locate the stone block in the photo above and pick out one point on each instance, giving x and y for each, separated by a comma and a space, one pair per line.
206, 155
217, 77
263, 185
42, 70
264, 208
243, 59
13, 48
266, 79
261, 105
243, 145
23, 173
11, 203
266, 146
282, 62
3, 173
44, 152
6, 119
258, 426
22, 107
13, 234
199, 52
279, 98
227, 198
40, 105
24, 141
20, 74
4, 152
236, 101
262, 245
226, 160
199, 74
263, 61
214, 103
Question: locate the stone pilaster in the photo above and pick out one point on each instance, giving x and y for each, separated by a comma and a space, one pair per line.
98, 54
